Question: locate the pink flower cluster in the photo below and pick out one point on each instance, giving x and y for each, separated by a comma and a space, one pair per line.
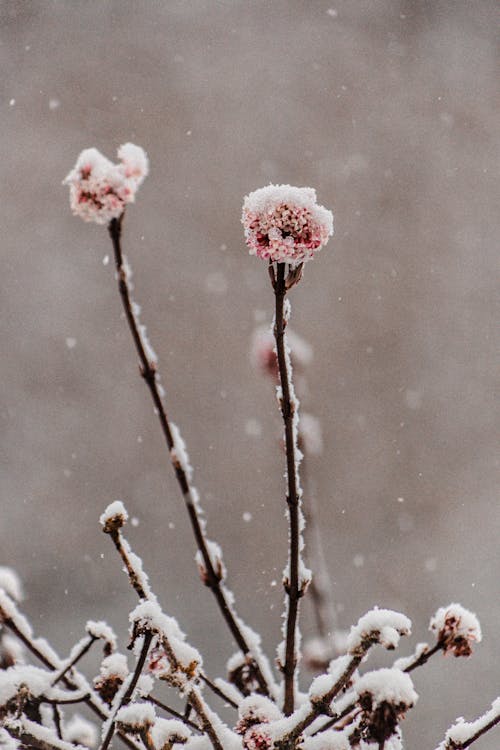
284, 224
99, 190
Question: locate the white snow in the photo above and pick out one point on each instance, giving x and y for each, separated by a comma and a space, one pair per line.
166, 730
329, 740
137, 716
179, 452
11, 583
387, 685
463, 730
114, 510
80, 731
114, 665
382, 626
267, 198
462, 621
100, 629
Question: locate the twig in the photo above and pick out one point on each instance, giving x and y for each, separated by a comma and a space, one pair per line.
479, 727
143, 593
93, 702
149, 373
320, 705
424, 657
173, 712
216, 689
82, 651
129, 691
65, 701
288, 406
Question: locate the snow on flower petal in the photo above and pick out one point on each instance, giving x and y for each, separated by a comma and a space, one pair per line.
285, 224
135, 162
99, 189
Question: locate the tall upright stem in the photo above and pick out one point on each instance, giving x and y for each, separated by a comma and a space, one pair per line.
149, 373
288, 406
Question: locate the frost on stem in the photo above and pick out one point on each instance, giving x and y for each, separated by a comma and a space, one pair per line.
463, 733
285, 224
457, 629
218, 566
99, 189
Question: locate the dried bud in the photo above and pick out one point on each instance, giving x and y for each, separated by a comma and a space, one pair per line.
457, 629
114, 517
384, 696
113, 672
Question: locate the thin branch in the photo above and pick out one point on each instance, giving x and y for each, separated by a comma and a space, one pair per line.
480, 726
93, 702
80, 653
174, 713
320, 704
423, 658
482, 731
149, 373
135, 579
216, 689
66, 701
288, 405
129, 691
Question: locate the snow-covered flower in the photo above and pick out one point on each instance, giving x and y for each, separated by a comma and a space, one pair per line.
285, 224
384, 696
457, 629
99, 190
113, 671
255, 714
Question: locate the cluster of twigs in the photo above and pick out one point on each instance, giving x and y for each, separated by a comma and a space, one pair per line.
342, 708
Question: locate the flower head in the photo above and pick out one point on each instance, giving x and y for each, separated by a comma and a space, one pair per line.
284, 224
457, 629
99, 190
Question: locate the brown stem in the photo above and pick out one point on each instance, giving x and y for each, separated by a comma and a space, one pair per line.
126, 698
292, 587
65, 701
450, 745
216, 689
134, 578
320, 705
173, 712
83, 650
424, 657
148, 372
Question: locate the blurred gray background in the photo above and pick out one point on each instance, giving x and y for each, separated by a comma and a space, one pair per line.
387, 109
